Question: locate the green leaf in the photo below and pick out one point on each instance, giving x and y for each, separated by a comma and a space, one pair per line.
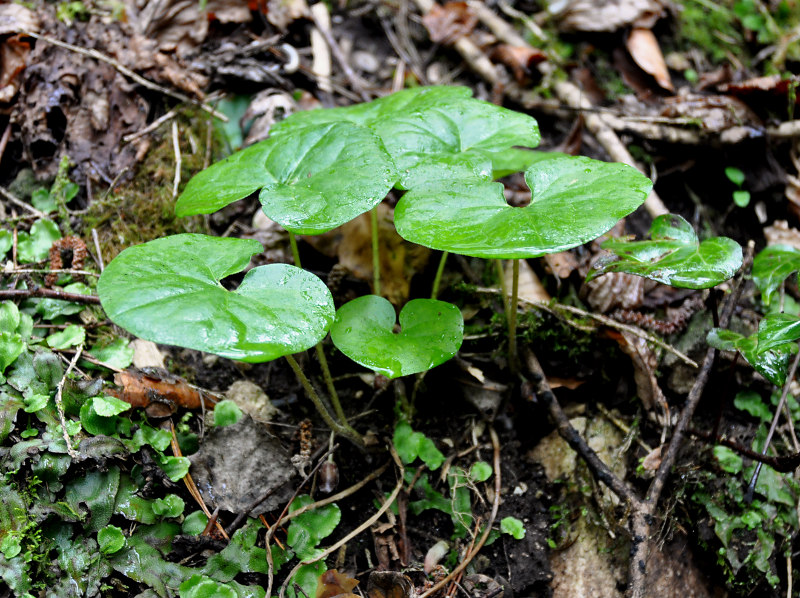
34, 246
35, 402
741, 198
673, 256
107, 406
194, 524
307, 577
48, 368
516, 159
772, 364
431, 333
200, 586
11, 346
130, 505
117, 353
227, 413
312, 179
575, 199
480, 471
777, 329
169, 506
276, 310
734, 175
727, 459
52, 308
96, 490
71, 336
43, 201
751, 402
410, 445
111, 539
94, 423
306, 530
772, 266
513, 526
175, 467
241, 555
6, 241
9, 316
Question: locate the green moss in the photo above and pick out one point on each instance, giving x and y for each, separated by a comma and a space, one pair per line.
142, 210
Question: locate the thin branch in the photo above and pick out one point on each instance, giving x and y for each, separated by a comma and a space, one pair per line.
60, 406
21, 204
48, 294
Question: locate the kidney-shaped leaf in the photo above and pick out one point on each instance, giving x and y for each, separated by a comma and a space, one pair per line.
401, 102
464, 127
674, 256
772, 266
575, 199
431, 333
168, 291
312, 179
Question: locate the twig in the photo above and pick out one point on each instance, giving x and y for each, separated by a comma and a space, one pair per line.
176, 148
748, 497
151, 127
128, 73
96, 240
60, 406
56, 271
325, 30
369, 522
19, 203
321, 61
495, 505
49, 294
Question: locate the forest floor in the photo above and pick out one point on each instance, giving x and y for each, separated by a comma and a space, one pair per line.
107, 109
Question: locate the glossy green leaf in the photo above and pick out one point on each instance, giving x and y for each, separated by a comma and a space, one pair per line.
734, 175
241, 555
111, 539
777, 329
419, 141
772, 364
674, 256
308, 529
727, 459
130, 505
9, 316
402, 102
276, 310
117, 353
11, 346
174, 467
194, 523
52, 308
98, 491
772, 266
312, 179
48, 368
35, 402
200, 586
515, 159
431, 333
307, 577
107, 406
575, 199
750, 401
34, 246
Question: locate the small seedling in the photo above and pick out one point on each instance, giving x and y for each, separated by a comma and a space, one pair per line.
741, 197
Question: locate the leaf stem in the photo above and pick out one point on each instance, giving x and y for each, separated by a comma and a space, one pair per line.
295, 252
512, 318
376, 258
438, 278
342, 429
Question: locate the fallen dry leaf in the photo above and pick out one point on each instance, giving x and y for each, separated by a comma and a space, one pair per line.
561, 264
605, 15
530, 287
520, 59
645, 51
389, 584
780, 234
446, 24
332, 583
283, 13
14, 52
16, 18
158, 392
615, 289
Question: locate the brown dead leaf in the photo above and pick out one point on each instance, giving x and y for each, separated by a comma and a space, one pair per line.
447, 24
13, 57
283, 13
561, 264
774, 84
389, 584
615, 289
520, 59
716, 113
16, 18
652, 460
645, 51
644, 365
530, 287
158, 392
332, 583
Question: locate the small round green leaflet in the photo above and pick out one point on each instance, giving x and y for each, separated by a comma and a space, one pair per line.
312, 179
431, 333
168, 291
772, 266
575, 199
111, 539
674, 256
772, 363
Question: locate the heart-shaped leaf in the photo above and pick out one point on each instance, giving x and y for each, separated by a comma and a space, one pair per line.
768, 358
431, 333
418, 141
772, 266
575, 199
168, 291
405, 101
312, 179
674, 256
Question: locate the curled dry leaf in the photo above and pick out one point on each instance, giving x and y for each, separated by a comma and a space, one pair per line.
447, 24
645, 51
158, 392
332, 583
616, 289
520, 59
